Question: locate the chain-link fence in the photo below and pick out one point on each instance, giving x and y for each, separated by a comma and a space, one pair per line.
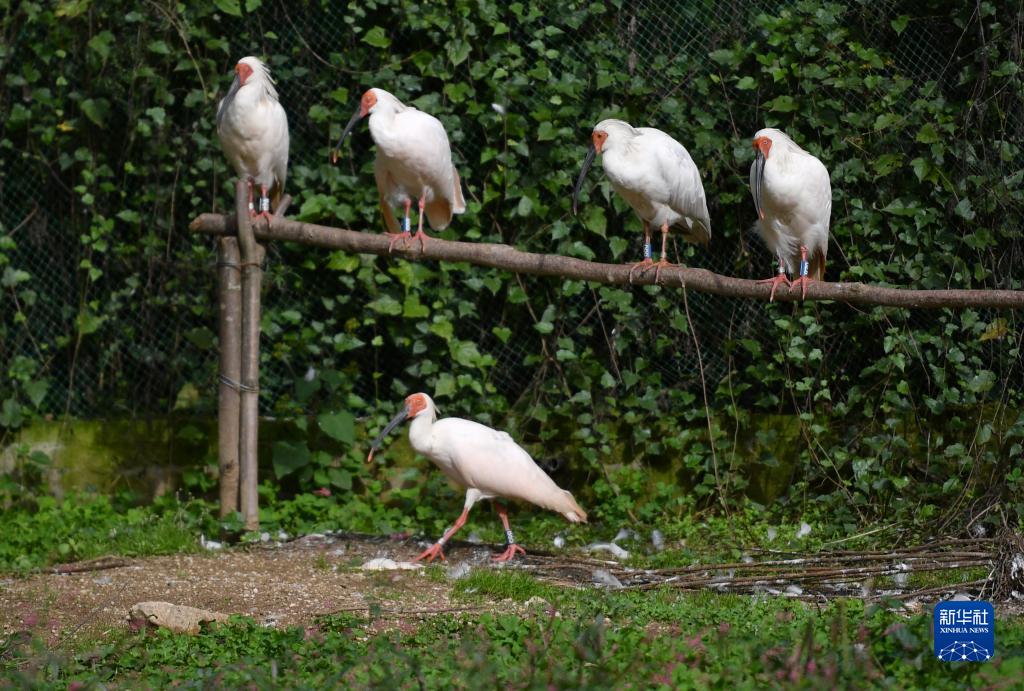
168, 349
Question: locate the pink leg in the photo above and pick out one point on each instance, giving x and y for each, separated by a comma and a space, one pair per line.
663, 262
404, 235
420, 235
437, 549
513, 548
647, 261
252, 208
804, 278
778, 278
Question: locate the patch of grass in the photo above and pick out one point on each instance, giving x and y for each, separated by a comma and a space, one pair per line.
596, 639
83, 527
490, 584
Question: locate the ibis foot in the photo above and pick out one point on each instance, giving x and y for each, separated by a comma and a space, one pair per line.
422, 237
803, 282
431, 553
775, 281
644, 267
395, 237
509, 553
661, 264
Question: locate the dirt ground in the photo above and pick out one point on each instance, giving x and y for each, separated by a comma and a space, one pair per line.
289, 584
293, 583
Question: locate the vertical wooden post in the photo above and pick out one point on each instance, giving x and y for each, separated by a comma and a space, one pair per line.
229, 331
252, 276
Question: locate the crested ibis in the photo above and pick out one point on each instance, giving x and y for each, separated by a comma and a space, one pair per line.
253, 131
656, 176
793, 198
414, 159
488, 463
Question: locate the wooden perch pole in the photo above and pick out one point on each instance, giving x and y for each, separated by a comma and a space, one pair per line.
511, 259
229, 331
252, 255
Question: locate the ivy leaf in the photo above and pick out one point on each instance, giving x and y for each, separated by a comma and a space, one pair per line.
289, 457
232, 7
10, 414
465, 353
445, 385
340, 426
96, 109
964, 209
900, 23
596, 220
386, 304
927, 134
377, 38
36, 391
72, 8
458, 51
157, 114
413, 308
89, 322
782, 104
101, 43
342, 479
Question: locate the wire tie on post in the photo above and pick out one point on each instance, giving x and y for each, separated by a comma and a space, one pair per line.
236, 385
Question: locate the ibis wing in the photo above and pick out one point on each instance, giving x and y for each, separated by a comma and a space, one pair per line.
493, 463
686, 191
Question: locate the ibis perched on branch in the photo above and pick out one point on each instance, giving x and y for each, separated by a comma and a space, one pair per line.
414, 160
253, 131
484, 461
793, 199
656, 176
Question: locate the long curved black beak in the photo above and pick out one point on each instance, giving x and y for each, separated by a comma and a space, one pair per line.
395, 422
587, 162
759, 161
356, 117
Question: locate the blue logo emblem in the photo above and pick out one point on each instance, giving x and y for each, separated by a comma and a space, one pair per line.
964, 631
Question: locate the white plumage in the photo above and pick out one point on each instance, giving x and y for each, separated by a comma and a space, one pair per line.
253, 131
793, 198
488, 463
414, 161
656, 176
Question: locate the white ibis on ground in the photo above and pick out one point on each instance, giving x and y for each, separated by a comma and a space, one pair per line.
414, 160
253, 131
484, 461
656, 176
793, 198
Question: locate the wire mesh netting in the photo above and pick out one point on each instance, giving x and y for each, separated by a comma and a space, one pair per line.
168, 349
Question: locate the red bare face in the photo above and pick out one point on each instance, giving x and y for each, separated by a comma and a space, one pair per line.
763, 144
599, 137
368, 101
244, 72
415, 404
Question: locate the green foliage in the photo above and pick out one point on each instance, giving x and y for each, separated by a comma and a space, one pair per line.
864, 413
91, 526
